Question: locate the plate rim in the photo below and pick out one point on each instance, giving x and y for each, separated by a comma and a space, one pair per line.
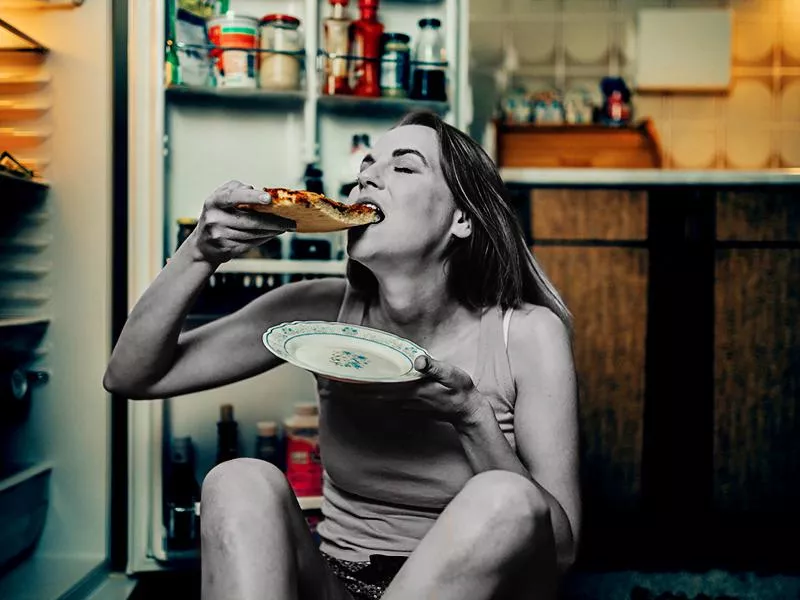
286, 357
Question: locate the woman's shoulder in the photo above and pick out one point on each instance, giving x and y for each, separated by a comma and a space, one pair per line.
534, 324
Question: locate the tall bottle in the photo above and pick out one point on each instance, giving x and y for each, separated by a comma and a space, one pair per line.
183, 498
227, 435
336, 30
365, 47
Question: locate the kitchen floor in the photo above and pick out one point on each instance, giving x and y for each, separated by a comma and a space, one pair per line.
618, 585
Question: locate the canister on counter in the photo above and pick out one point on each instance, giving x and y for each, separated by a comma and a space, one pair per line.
395, 65
279, 68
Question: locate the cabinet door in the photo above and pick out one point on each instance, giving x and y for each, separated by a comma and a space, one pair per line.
757, 356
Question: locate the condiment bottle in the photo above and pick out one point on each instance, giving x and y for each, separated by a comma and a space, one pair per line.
267, 446
365, 35
183, 498
303, 463
336, 30
227, 435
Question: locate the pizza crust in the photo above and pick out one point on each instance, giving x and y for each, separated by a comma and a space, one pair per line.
315, 213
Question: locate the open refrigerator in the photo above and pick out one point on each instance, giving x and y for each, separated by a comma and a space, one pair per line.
187, 140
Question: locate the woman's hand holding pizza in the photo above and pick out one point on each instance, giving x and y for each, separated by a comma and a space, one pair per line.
224, 231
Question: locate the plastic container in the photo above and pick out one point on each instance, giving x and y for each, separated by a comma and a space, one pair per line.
235, 68
279, 69
303, 463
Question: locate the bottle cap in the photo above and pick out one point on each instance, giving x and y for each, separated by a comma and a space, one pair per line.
430, 23
267, 428
226, 412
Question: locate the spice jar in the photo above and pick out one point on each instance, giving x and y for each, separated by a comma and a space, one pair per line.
279, 68
395, 65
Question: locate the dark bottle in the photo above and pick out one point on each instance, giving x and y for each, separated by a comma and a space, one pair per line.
430, 64
183, 498
227, 435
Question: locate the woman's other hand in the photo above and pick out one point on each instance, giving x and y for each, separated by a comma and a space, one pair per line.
446, 392
224, 231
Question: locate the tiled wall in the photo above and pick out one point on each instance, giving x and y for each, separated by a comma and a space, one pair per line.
577, 42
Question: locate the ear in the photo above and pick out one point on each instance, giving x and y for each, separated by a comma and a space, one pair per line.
462, 224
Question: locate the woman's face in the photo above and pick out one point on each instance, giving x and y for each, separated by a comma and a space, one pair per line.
403, 177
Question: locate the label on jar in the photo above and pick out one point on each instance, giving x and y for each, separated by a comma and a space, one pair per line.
394, 70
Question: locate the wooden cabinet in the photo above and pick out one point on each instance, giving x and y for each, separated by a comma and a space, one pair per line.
687, 345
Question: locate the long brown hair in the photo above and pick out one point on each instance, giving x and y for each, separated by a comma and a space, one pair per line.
493, 265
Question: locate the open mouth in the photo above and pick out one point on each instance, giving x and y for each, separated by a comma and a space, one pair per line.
375, 207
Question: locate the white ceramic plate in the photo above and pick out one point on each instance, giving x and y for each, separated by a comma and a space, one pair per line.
345, 352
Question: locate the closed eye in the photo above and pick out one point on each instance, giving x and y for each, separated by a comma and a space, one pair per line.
403, 170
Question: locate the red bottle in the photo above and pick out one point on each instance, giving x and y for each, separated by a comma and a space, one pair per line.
365, 35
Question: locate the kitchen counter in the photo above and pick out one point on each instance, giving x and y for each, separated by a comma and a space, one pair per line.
646, 178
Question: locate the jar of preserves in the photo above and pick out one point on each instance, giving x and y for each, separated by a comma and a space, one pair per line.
395, 65
279, 64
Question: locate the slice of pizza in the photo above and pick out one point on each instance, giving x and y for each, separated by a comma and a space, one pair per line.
315, 213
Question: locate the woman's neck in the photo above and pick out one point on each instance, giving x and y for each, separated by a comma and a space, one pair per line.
416, 305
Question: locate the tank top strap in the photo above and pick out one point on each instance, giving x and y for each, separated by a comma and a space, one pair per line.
493, 351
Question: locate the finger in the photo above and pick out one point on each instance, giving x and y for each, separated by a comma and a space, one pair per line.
440, 371
239, 193
254, 221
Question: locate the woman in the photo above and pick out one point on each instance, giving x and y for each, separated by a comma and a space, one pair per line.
463, 484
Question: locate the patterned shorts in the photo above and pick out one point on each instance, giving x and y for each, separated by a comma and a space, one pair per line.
366, 580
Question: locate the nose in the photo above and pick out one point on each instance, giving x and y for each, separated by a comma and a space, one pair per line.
370, 176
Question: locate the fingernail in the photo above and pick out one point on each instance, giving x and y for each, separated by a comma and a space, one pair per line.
265, 197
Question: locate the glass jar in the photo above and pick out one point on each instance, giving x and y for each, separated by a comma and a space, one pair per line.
395, 65
279, 69
430, 63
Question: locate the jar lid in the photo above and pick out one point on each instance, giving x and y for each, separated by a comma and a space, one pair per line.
430, 23
396, 37
288, 19
187, 221
306, 409
267, 428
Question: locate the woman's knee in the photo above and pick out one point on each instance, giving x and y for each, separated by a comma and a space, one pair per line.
244, 480
508, 502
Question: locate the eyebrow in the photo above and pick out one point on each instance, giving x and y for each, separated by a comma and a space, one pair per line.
369, 159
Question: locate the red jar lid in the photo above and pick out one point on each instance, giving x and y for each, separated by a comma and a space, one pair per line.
288, 19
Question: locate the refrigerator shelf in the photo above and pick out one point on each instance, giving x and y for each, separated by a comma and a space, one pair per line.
214, 96
380, 105
282, 266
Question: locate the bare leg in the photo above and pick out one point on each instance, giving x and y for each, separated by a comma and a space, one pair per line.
494, 540
254, 540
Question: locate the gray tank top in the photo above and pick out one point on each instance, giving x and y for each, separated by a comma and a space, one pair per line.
389, 474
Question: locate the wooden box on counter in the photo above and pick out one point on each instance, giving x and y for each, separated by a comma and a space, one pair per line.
558, 146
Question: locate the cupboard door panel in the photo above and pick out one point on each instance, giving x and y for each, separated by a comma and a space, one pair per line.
757, 381
606, 290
